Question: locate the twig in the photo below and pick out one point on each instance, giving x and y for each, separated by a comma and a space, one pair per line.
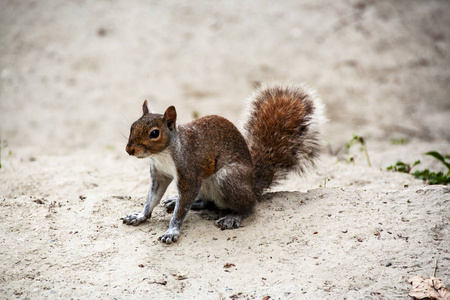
435, 266
158, 282
367, 154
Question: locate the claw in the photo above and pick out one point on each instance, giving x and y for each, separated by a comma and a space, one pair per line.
171, 236
133, 219
231, 221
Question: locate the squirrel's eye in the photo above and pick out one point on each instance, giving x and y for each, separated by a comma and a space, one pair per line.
154, 134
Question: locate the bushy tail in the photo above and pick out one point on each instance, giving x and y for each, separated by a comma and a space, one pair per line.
283, 131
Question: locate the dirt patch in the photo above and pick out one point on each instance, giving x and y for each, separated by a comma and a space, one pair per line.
73, 78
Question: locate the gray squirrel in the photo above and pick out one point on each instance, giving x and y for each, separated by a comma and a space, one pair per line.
211, 161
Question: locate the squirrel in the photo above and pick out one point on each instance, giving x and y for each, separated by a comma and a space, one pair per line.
211, 161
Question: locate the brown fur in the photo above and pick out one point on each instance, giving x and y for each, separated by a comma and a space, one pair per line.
139, 143
278, 133
209, 157
214, 144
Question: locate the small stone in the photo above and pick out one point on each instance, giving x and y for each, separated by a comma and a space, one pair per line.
102, 31
387, 264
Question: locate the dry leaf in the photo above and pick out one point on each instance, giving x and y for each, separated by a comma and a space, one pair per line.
180, 276
432, 288
228, 265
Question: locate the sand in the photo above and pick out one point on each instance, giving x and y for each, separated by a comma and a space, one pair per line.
73, 76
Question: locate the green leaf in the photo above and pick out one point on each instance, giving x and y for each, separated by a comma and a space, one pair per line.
439, 157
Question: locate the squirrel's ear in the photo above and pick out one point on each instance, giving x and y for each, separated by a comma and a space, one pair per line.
170, 117
145, 109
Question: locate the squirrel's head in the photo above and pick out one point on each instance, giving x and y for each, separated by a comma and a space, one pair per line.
151, 133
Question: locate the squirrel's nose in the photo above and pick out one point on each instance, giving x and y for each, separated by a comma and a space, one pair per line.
130, 150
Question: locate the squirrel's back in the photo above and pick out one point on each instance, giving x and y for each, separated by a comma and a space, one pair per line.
283, 131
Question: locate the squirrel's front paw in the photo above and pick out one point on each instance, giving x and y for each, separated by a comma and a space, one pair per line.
171, 236
134, 219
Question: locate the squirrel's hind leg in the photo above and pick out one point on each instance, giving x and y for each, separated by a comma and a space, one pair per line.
230, 221
236, 183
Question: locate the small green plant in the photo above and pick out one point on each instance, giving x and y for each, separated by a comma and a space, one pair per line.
426, 175
432, 177
402, 167
357, 140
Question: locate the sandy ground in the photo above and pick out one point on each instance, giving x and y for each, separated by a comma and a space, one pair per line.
73, 76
